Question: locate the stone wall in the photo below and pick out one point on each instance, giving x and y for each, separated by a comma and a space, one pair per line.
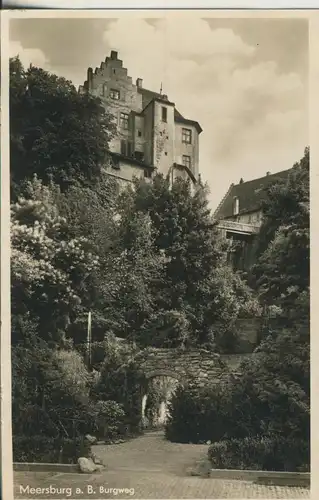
181, 364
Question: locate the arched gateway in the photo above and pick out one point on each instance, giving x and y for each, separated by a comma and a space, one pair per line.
164, 369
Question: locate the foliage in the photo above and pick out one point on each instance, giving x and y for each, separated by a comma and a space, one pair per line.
270, 397
55, 131
197, 414
120, 381
49, 397
44, 449
133, 271
47, 268
286, 203
270, 453
281, 274
194, 287
109, 419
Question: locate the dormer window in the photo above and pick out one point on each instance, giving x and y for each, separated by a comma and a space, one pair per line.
236, 206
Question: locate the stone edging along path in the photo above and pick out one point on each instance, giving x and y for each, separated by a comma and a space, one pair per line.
269, 477
262, 476
42, 467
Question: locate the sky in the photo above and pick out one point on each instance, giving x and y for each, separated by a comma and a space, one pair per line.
244, 80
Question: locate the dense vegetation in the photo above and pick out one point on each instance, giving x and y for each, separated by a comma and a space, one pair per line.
262, 420
150, 267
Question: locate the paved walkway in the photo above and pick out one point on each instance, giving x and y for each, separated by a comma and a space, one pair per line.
146, 468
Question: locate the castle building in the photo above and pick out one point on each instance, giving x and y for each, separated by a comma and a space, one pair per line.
239, 216
152, 135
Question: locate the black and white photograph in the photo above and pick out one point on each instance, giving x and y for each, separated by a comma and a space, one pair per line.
160, 254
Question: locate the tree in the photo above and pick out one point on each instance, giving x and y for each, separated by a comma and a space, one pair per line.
285, 203
196, 286
281, 274
48, 267
55, 131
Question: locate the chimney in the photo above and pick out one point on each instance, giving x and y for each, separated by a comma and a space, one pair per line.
139, 83
113, 54
267, 173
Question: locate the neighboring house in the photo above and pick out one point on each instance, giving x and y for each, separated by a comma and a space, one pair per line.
239, 216
152, 136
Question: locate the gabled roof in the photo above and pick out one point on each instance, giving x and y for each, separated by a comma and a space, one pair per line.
149, 95
250, 195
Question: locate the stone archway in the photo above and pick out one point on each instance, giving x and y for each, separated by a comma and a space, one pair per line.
171, 367
159, 389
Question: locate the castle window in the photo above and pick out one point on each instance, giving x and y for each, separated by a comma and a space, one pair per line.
164, 114
236, 206
139, 133
114, 94
126, 148
187, 161
124, 121
104, 90
186, 136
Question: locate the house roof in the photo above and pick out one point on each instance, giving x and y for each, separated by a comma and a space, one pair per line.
149, 95
250, 195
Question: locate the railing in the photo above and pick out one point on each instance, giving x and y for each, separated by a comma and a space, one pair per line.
238, 227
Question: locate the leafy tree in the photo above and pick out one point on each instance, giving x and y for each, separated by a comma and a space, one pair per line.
282, 271
120, 380
286, 203
47, 268
55, 131
196, 286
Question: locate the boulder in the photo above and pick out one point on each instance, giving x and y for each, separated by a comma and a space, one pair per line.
91, 439
87, 466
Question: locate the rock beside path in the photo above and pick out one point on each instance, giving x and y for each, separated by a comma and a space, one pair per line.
87, 466
91, 439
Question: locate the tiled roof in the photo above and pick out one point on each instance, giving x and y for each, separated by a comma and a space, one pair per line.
250, 195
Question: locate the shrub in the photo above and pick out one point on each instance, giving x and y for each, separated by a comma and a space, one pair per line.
120, 381
261, 453
44, 449
109, 419
198, 414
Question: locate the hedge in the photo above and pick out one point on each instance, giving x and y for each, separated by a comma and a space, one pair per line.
270, 453
45, 449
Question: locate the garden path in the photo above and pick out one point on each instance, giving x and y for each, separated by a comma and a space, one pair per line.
151, 467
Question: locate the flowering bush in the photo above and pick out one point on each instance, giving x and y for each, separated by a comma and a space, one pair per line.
47, 267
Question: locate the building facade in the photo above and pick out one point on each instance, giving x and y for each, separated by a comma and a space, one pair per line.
152, 136
240, 216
